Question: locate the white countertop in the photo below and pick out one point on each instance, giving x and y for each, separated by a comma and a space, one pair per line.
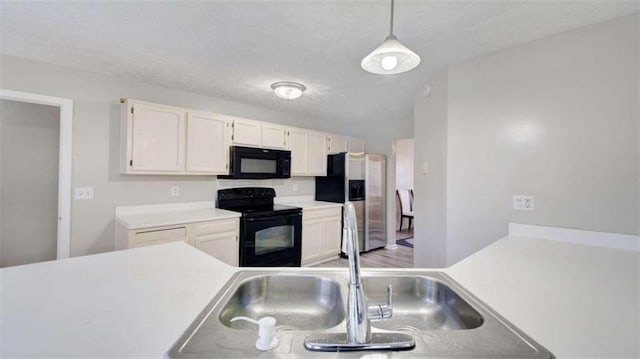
306, 202
313, 205
135, 217
132, 303
575, 300
169, 214
169, 218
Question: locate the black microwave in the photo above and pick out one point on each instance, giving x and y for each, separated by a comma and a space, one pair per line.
258, 163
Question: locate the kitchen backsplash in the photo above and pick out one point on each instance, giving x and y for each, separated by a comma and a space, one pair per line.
294, 186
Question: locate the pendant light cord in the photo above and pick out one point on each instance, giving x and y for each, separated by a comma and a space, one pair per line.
391, 27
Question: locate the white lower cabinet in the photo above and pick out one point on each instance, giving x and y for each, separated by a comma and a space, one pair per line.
217, 238
321, 235
156, 235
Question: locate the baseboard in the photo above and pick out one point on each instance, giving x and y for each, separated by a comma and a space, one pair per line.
591, 238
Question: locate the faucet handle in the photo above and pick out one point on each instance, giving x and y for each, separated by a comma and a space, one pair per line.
382, 311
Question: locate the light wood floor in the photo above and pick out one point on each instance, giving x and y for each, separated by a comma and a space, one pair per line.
401, 257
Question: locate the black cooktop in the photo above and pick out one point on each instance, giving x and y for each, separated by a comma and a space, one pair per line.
253, 202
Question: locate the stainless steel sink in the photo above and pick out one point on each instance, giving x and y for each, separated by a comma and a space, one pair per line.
297, 302
421, 303
444, 318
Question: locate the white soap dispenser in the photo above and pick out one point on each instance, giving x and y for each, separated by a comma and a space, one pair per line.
266, 332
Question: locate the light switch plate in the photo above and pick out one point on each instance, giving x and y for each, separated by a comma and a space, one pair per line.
425, 168
82, 193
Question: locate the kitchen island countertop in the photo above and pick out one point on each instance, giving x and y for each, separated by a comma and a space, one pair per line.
575, 300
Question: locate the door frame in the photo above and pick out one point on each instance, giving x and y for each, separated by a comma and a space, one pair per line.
65, 160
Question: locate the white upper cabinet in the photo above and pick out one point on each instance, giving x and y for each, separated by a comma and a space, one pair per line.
246, 132
165, 140
274, 136
160, 139
155, 138
299, 146
208, 138
337, 144
356, 144
317, 156
308, 152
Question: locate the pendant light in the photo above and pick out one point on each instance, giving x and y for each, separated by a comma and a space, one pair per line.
392, 57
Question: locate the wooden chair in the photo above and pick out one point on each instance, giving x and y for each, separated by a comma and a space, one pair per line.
406, 204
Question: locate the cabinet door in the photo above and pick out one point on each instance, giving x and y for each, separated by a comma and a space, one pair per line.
317, 157
247, 133
207, 143
274, 136
338, 144
332, 235
223, 246
299, 146
312, 233
356, 144
157, 138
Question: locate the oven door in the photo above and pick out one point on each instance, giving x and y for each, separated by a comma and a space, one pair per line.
271, 241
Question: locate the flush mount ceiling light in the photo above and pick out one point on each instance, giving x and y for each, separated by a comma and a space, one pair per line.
392, 57
288, 90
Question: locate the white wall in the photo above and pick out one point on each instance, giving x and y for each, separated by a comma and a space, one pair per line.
404, 163
29, 182
96, 143
557, 119
430, 201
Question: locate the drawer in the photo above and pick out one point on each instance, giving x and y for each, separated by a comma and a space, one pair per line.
161, 235
219, 226
322, 213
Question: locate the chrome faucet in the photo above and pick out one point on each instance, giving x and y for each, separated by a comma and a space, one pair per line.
358, 314
358, 336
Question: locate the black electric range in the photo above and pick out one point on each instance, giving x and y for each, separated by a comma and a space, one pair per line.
270, 234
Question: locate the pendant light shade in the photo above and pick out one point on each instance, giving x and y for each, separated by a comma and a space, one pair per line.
392, 57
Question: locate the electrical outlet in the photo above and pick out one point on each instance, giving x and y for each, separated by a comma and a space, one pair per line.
82, 193
175, 191
523, 203
296, 187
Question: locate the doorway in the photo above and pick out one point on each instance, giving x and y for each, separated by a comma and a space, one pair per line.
35, 178
404, 153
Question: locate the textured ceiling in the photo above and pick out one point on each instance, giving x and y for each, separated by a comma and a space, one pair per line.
236, 49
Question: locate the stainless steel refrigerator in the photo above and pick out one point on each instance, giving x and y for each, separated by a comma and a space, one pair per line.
361, 179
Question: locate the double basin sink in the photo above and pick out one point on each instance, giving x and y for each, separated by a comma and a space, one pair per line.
444, 319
